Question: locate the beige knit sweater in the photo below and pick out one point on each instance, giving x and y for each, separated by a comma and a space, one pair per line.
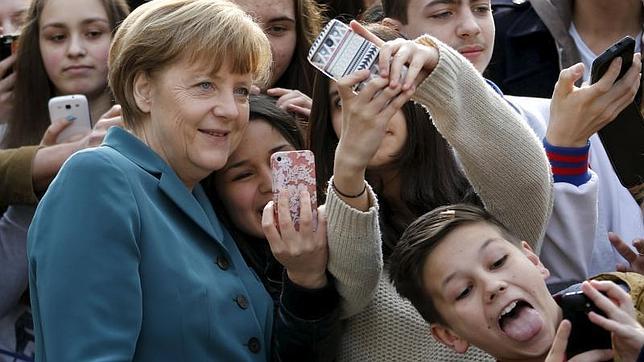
507, 166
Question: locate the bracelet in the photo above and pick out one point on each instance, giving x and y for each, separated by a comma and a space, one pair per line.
364, 189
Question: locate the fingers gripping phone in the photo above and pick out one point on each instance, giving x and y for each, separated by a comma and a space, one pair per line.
338, 52
584, 335
75, 109
623, 137
294, 171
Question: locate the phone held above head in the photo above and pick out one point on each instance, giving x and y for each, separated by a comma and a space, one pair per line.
338, 51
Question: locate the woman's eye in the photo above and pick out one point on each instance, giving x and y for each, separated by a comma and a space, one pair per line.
242, 176
243, 92
276, 30
205, 85
464, 293
94, 34
57, 37
499, 263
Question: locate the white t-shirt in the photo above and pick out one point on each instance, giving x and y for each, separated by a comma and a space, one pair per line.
587, 55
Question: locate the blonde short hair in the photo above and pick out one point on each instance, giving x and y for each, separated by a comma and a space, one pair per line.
162, 32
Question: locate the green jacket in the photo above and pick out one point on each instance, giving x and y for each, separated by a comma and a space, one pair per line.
16, 185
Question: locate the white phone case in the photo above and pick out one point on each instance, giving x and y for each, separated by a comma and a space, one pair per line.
73, 108
338, 51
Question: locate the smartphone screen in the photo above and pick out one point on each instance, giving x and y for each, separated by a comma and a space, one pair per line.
294, 171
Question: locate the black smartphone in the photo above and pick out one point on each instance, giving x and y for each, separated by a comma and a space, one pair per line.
623, 49
8, 44
584, 335
623, 138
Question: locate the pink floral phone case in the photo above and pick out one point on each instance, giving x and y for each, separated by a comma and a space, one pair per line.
294, 171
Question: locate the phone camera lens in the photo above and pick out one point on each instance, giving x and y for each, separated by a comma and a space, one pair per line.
329, 42
279, 159
67, 106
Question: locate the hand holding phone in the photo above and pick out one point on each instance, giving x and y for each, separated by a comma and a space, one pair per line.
622, 138
75, 109
618, 316
294, 171
584, 335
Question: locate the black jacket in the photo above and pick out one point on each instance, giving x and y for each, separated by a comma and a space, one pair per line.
525, 60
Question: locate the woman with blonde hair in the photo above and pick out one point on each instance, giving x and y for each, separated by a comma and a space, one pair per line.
128, 260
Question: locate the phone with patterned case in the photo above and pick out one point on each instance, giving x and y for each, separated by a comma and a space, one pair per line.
294, 171
338, 51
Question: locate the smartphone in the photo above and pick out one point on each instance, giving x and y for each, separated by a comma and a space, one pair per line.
8, 46
338, 51
584, 335
294, 171
73, 108
624, 49
623, 137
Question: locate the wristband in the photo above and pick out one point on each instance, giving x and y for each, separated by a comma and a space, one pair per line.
364, 189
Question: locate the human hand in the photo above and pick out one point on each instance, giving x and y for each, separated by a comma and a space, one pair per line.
420, 59
635, 259
557, 352
111, 118
304, 253
52, 132
577, 113
7, 82
627, 333
365, 117
292, 100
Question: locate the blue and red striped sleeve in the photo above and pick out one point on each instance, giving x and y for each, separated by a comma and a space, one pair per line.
569, 164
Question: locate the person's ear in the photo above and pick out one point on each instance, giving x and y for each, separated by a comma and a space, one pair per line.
142, 91
392, 23
447, 337
530, 254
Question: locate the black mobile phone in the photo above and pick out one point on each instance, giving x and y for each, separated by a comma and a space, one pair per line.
584, 335
623, 138
623, 49
8, 44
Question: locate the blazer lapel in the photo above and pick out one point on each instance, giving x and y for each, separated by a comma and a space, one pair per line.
195, 205
176, 191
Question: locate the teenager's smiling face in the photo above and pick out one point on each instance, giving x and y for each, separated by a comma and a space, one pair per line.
491, 294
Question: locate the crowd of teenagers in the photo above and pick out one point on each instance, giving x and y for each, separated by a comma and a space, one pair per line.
464, 194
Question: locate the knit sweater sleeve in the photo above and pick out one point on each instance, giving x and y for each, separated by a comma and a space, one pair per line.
501, 157
355, 251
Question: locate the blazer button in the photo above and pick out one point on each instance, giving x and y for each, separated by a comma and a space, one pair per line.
242, 302
223, 263
253, 345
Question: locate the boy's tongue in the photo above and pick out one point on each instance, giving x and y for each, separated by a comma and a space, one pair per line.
525, 324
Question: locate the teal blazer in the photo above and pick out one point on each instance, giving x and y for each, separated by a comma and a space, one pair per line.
126, 264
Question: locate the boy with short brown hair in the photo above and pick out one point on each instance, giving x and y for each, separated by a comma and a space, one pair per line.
475, 283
